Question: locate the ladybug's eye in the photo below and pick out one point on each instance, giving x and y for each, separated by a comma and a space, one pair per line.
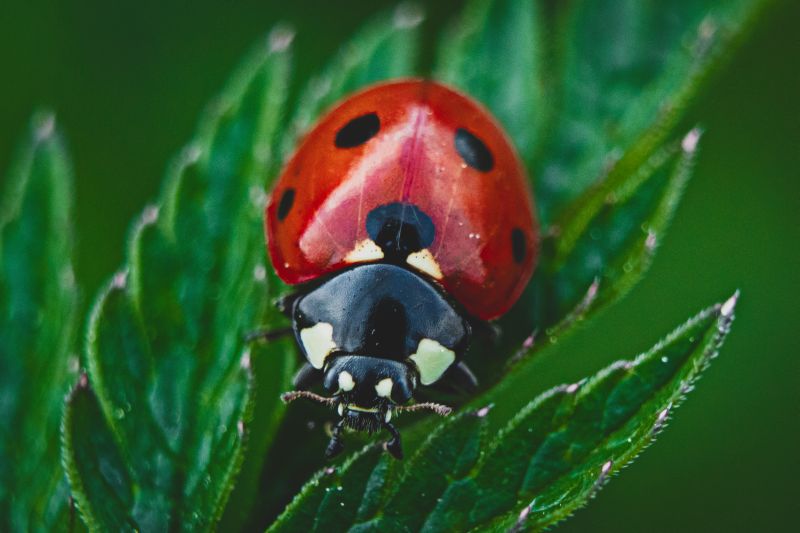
358, 131
473, 151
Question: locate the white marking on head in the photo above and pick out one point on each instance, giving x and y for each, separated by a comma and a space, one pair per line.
346, 382
384, 387
364, 251
358, 409
318, 343
424, 262
432, 360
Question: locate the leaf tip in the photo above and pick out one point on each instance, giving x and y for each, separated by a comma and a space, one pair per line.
651, 241
727, 308
258, 197
408, 15
150, 215
280, 38
44, 125
73, 363
191, 154
521, 518
81, 385
483, 411
605, 471
529, 341
661, 418
120, 280
259, 272
690, 140
246, 362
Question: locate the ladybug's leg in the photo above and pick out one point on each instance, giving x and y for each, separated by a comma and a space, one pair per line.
458, 379
267, 334
285, 303
461, 377
393, 445
487, 330
307, 377
335, 446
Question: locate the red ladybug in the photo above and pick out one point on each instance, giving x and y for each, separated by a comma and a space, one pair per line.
406, 214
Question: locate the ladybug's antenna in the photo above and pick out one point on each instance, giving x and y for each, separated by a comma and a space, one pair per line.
295, 394
439, 409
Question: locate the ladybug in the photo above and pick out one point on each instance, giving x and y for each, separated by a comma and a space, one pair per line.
406, 220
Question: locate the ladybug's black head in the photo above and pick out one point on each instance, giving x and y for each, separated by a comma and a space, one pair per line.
367, 389
373, 334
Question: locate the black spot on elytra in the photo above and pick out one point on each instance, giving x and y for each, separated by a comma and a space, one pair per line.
358, 131
286, 203
518, 246
400, 229
473, 151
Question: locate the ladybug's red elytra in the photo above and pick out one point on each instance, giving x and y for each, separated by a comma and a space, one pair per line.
406, 216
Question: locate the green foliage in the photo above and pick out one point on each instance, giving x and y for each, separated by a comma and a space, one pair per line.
627, 71
595, 254
39, 305
546, 462
173, 404
562, 447
155, 434
494, 54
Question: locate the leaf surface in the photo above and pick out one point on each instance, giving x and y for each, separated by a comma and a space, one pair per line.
547, 461
167, 366
597, 254
627, 72
39, 306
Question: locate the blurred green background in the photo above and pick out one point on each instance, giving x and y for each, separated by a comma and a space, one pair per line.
128, 82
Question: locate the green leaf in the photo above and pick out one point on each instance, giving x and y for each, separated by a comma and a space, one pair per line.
494, 54
385, 48
372, 491
597, 253
449, 454
167, 364
337, 489
549, 460
105, 482
560, 449
628, 71
39, 306
273, 371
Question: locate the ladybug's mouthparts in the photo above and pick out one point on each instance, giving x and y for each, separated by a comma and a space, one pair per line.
351, 407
